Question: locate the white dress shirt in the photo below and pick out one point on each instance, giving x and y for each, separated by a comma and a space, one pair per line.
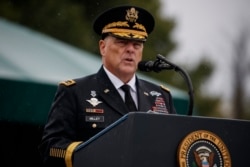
118, 83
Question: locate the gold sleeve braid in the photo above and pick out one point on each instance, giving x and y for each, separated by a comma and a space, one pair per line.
57, 152
69, 151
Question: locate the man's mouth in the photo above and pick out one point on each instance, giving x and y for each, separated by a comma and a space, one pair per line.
129, 59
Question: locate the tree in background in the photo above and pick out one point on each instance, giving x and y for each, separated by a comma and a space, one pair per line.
240, 74
71, 21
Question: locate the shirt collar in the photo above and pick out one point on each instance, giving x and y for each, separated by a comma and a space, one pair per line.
117, 82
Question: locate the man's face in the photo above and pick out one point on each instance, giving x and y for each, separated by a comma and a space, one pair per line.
121, 56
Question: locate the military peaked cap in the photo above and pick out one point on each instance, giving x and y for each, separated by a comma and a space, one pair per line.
128, 22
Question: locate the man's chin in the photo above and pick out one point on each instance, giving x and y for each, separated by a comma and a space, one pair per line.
129, 69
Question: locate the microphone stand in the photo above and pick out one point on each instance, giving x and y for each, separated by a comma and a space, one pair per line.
186, 77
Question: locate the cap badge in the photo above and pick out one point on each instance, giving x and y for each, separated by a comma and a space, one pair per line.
132, 15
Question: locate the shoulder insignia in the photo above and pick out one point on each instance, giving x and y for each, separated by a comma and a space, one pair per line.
68, 82
165, 88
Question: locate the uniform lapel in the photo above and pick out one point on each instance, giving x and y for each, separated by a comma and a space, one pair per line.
145, 100
109, 93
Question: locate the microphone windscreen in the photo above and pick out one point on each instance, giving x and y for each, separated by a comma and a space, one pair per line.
145, 65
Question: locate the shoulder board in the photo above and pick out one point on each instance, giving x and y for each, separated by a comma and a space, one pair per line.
165, 88
68, 82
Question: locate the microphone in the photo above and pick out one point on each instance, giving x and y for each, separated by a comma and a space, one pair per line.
161, 63
155, 66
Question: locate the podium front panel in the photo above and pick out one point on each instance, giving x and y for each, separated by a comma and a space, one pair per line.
143, 139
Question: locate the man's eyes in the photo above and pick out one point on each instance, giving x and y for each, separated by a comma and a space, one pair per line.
125, 42
121, 42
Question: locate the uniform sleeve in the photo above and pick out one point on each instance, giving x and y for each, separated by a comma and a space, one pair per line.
59, 136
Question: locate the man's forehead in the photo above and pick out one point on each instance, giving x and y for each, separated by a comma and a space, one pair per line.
124, 39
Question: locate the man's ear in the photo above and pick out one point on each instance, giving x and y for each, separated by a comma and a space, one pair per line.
102, 47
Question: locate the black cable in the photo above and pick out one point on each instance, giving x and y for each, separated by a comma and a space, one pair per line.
186, 77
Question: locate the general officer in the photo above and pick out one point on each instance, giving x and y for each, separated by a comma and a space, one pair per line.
84, 106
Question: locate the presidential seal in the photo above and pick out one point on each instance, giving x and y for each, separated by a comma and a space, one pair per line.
203, 149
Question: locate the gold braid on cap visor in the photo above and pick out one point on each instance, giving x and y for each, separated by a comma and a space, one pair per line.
126, 33
141, 33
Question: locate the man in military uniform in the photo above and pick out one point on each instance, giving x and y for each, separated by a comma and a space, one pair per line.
83, 107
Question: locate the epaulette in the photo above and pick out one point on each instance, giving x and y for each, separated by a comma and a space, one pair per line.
68, 82
165, 88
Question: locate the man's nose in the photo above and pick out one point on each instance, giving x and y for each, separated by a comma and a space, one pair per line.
130, 46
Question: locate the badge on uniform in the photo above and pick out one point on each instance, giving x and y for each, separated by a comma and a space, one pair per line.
94, 118
93, 101
155, 93
94, 110
160, 106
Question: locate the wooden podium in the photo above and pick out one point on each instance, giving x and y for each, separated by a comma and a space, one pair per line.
142, 139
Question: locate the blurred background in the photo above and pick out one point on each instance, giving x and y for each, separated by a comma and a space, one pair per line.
209, 39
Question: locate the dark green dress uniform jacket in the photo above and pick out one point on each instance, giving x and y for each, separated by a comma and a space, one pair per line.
85, 106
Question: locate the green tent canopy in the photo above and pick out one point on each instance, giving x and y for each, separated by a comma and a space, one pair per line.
32, 64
